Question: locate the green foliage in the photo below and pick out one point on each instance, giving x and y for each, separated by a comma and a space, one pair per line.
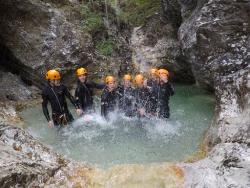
92, 18
136, 11
106, 47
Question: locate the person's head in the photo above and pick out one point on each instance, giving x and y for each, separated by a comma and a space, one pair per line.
82, 74
127, 80
163, 73
53, 77
139, 80
110, 83
154, 73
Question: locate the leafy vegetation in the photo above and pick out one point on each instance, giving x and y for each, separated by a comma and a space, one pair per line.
136, 11
92, 18
106, 47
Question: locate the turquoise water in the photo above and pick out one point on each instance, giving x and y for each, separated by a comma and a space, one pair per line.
128, 141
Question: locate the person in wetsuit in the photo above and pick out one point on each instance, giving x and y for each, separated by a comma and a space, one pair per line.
85, 91
55, 93
109, 97
142, 97
126, 97
152, 84
163, 91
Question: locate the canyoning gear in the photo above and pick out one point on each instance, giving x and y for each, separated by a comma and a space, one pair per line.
81, 71
84, 94
53, 75
109, 101
56, 96
152, 85
109, 79
162, 94
154, 72
126, 100
139, 79
127, 77
142, 98
163, 72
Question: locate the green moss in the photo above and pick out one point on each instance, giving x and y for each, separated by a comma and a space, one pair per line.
92, 19
106, 47
136, 11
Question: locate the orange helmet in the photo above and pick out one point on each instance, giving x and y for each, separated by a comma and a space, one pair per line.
127, 77
154, 72
109, 79
81, 71
139, 79
163, 72
53, 75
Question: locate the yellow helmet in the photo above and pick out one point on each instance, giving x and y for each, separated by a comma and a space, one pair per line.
139, 79
164, 72
154, 72
53, 75
127, 77
109, 79
81, 71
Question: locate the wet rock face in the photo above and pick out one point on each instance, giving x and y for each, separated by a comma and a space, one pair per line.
156, 45
13, 92
228, 165
12, 88
215, 39
24, 161
172, 11
36, 36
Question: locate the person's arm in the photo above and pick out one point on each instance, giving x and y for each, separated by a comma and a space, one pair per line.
98, 85
45, 107
171, 89
104, 104
78, 96
73, 101
45, 110
71, 98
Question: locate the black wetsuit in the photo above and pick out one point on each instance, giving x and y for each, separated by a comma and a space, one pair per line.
163, 93
142, 98
109, 101
56, 96
127, 100
153, 85
84, 95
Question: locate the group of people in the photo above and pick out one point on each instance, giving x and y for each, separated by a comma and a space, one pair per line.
141, 98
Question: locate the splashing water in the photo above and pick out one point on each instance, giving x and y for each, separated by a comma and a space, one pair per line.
125, 140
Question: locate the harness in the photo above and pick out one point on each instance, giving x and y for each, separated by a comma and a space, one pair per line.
62, 119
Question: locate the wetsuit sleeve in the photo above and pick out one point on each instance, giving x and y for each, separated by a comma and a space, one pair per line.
119, 92
77, 95
104, 99
71, 98
148, 100
171, 89
45, 106
98, 86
